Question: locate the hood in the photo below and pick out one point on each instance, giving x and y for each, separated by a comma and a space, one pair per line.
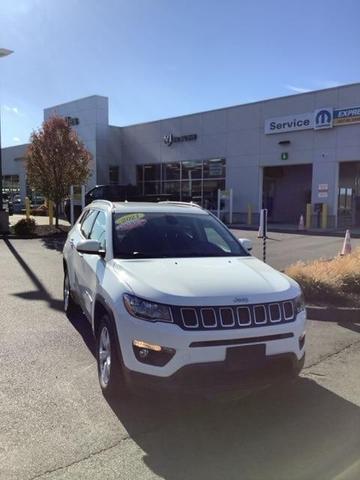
205, 281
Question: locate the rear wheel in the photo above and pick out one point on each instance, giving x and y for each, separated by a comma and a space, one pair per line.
109, 363
69, 304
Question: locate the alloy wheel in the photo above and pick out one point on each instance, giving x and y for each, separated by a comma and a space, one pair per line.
104, 356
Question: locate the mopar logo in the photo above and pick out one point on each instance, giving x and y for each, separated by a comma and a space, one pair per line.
323, 118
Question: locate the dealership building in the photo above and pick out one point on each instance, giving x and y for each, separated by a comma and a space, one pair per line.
281, 154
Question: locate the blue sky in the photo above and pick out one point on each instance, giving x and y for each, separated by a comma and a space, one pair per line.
162, 58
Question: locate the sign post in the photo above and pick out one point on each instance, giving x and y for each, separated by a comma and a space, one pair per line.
225, 195
82, 197
231, 207
72, 205
263, 223
218, 203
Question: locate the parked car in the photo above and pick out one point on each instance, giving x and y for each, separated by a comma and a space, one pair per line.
114, 193
175, 300
7, 203
37, 200
18, 204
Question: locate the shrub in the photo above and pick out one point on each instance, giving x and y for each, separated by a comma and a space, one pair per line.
25, 227
328, 280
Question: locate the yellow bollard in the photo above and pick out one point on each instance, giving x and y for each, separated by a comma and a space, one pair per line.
324, 215
27, 208
51, 212
308, 216
249, 215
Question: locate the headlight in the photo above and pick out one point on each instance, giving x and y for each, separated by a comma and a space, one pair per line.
299, 304
137, 307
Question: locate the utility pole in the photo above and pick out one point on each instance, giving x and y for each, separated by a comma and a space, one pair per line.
4, 216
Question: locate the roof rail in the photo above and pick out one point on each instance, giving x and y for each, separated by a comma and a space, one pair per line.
106, 202
184, 204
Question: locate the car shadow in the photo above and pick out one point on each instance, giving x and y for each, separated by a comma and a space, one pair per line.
54, 242
81, 324
343, 319
40, 292
290, 431
354, 326
76, 317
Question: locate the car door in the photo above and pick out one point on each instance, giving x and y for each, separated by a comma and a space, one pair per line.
70, 252
93, 266
82, 233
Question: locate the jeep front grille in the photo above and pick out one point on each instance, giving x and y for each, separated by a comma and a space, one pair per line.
232, 317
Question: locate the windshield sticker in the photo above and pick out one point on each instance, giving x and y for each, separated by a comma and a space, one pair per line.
130, 221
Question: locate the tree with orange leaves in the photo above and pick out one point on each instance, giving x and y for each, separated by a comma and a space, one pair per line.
56, 159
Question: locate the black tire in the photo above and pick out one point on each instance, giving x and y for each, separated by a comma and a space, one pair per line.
69, 303
112, 383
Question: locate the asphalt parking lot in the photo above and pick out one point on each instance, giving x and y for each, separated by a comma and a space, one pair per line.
283, 249
55, 424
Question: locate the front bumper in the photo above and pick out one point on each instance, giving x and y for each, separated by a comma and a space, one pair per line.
204, 348
215, 376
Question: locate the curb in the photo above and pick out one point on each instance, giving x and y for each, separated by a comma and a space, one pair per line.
32, 237
333, 314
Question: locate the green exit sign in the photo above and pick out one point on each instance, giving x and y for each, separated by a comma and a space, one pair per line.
284, 156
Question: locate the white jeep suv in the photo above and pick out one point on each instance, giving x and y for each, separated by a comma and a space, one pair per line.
175, 299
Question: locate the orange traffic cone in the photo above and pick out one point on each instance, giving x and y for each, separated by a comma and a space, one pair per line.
301, 225
346, 249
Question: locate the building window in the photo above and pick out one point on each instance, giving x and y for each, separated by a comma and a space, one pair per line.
114, 175
195, 180
171, 171
152, 173
214, 168
11, 184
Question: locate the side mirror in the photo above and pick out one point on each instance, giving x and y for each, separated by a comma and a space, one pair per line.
91, 247
246, 244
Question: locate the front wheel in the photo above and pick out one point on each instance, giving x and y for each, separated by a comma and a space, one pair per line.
109, 363
69, 304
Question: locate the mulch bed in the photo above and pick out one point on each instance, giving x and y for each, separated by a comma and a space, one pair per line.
42, 231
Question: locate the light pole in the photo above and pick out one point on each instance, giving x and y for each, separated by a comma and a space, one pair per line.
4, 219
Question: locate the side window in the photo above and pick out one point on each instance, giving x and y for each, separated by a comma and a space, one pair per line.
98, 231
82, 216
87, 223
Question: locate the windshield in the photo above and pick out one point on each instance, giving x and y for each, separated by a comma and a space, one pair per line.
166, 235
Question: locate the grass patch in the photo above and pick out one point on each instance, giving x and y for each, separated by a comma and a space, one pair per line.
330, 282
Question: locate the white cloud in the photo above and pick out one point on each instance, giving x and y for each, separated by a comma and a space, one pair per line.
16, 139
15, 110
296, 89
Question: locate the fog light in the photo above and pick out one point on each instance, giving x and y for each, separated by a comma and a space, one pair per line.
143, 353
146, 345
152, 354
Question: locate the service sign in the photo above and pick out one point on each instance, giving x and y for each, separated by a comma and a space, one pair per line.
345, 116
291, 123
